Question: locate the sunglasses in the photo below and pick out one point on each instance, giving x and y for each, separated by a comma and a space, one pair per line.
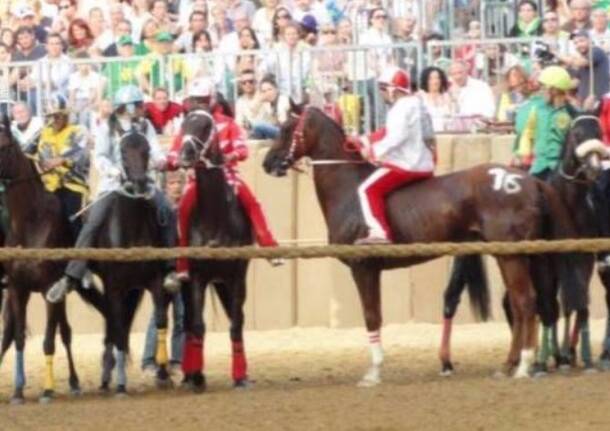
283, 16
329, 32
380, 16
247, 81
64, 6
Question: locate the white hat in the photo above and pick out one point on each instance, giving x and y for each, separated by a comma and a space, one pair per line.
201, 87
22, 10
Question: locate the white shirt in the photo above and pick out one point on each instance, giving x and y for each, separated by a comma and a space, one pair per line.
476, 98
85, 87
403, 145
53, 73
261, 24
29, 136
317, 10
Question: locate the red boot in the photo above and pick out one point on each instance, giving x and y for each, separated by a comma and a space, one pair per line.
185, 208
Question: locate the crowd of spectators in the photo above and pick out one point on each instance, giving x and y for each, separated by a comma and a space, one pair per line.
260, 56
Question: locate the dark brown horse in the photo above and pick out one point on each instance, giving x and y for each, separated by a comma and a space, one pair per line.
36, 222
218, 219
491, 202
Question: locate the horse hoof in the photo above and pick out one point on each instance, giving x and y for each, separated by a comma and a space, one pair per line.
447, 370
521, 374
540, 370
75, 392
46, 397
166, 383
242, 384
17, 401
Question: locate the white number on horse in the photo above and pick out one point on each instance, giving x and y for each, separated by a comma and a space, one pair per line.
505, 181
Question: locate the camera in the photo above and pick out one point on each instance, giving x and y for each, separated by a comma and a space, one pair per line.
542, 53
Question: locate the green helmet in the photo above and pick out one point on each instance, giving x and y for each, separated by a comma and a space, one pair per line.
556, 77
127, 95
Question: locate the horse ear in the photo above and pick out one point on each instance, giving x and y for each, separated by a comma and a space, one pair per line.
295, 108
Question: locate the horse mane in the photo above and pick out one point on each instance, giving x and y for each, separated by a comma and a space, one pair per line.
328, 119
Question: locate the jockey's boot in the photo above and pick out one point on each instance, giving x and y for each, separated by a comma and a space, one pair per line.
61, 288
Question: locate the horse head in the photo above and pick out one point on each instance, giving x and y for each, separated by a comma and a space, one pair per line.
290, 145
583, 150
135, 155
198, 141
9, 151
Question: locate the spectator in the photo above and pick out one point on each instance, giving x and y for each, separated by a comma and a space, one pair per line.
26, 50
302, 8
436, 55
309, 30
240, 7
67, 12
160, 14
25, 16
580, 16
493, 60
198, 22
586, 56
599, 33
248, 41
434, 92
123, 72
329, 65
96, 22
118, 27
249, 102
123, 29
221, 25
290, 64
26, 128
85, 87
556, 39
262, 22
473, 97
80, 38
345, 32
162, 112
147, 38
467, 53
5, 80
174, 185
55, 68
202, 63
404, 32
514, 94
273, 111
139, 16
7, 38
280, 20
528, 23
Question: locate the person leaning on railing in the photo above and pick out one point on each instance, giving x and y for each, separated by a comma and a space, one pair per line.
434, 92
528, 21
514, 93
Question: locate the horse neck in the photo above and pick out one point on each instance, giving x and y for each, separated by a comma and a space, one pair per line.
335, 184
212, 194
25, 193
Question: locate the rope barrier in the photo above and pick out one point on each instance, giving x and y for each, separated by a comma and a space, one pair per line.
310, 252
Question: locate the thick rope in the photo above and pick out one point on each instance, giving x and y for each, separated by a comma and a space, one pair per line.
311, 252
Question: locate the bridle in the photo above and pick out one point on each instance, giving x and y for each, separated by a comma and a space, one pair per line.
126, 184
197, 142
576, 177
298, 141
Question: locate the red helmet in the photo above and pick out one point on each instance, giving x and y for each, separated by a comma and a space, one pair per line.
396, 78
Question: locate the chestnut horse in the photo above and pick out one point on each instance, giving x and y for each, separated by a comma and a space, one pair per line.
490, 202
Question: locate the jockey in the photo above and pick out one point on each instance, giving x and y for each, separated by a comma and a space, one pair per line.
400, 151
64, 158
547, 124
232, 142
26, 128
128, 115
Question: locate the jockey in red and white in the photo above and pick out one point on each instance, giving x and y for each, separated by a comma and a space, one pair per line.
399, 150
232, 142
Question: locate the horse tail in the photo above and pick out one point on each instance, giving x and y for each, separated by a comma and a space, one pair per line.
468, 272
571, 268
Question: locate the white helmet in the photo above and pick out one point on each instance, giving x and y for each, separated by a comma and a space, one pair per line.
201, 87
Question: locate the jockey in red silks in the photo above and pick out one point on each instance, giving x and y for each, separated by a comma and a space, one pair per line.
399, 150
232, 142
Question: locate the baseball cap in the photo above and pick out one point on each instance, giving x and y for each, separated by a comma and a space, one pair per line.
309, 24
22, 11
124, 40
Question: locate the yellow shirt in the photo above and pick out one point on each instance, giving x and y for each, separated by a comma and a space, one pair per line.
70, 144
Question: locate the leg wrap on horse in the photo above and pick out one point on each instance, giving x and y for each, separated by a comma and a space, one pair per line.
161, 356
49, 379
185, 208
264, 237
192, 360
240, 365
19, 369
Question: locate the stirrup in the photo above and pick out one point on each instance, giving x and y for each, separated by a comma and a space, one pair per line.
276, 261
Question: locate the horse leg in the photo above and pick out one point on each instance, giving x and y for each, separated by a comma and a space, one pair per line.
604, 275
108, 359
161, 300
48, 346
516, 275
582, 319
451, 298
118, 316
192, 355
65, 331
546, 285
232, 297
367, 280
8, 330
19, 305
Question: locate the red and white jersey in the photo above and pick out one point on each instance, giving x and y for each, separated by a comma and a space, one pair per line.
401, 143
231, 139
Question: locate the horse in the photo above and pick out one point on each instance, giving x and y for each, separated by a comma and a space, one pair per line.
218, 219
36, 222
491, 202
578, 169
132, 220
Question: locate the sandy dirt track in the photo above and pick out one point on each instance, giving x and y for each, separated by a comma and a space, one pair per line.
305, 379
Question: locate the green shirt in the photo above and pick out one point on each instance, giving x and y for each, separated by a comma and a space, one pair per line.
118, 74
546, 128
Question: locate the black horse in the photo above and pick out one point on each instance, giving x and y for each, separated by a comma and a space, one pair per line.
579, 167
218, 219
36, 222
132, 220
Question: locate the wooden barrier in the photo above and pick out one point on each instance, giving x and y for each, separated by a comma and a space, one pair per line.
321, 292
